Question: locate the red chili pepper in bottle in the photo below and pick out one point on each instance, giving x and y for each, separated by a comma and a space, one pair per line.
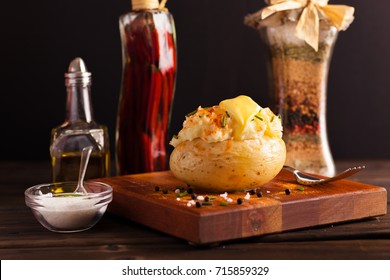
147, 89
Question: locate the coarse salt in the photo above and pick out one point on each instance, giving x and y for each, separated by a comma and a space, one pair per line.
191, 203
247, 196
224, 195
70, 212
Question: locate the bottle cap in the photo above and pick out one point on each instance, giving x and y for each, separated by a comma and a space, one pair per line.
77, 73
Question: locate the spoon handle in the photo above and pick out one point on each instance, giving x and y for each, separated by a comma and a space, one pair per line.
85, 154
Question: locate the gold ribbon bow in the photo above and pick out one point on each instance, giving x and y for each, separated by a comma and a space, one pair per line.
308, 26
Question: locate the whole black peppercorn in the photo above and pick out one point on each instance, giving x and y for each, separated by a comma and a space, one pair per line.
287, 191
252, 192
157, 188
240, 201
190, 190
165, 191
194, 196
207, 199
259, 194
198, 204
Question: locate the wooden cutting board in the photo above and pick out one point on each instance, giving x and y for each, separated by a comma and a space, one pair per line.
136, 198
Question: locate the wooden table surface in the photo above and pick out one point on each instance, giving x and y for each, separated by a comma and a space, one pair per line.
22, 237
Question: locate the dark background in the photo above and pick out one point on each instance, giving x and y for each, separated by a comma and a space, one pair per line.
219, 57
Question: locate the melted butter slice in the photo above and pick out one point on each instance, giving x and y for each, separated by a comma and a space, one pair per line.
242, 110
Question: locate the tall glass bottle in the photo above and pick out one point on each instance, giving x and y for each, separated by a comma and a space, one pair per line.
79, 130
147, 89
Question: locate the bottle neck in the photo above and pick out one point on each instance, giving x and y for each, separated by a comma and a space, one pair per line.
78, 107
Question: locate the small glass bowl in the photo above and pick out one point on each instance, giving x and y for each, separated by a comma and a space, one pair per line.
59, 209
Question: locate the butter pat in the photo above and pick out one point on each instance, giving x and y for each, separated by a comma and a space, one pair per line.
242, 109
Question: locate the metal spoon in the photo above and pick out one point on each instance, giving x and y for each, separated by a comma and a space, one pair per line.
85, 154
305, 179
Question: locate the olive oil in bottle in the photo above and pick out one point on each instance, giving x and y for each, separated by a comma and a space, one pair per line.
78, 131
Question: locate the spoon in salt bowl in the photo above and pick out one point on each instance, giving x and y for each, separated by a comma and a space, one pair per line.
85, 154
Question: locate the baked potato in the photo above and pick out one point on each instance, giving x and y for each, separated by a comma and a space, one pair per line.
234, 146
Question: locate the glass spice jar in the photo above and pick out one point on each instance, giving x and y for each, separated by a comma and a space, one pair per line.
298, 77
298, 81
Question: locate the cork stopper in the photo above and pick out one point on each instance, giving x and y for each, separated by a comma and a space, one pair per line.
145, 4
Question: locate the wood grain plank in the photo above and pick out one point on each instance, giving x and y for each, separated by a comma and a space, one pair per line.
136, 199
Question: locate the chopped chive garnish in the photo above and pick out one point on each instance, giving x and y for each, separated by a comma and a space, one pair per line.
279, 116
207, 203
272, 119
227, 114
301, 189
223, 204
212, 197
192, 113
224, 119
257, 117
182, 194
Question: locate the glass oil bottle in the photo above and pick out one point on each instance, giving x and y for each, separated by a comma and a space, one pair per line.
79, 130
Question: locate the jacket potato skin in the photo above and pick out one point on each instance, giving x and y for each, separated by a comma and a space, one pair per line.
228, 165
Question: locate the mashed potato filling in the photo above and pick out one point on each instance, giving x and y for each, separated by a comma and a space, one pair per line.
238, 118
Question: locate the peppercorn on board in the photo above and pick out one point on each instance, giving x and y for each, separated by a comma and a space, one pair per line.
160, 201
